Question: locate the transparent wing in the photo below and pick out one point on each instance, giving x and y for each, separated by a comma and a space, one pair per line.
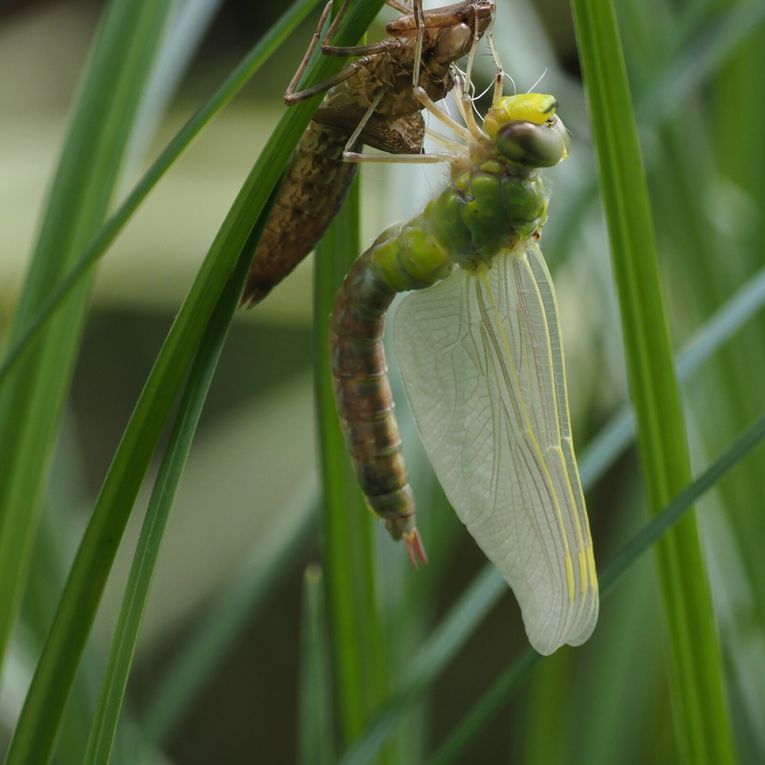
482, 364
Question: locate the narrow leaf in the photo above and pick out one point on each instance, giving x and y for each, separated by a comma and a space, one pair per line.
315, 721
703, 726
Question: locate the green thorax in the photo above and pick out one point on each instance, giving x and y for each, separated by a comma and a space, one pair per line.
487, 208
496, 198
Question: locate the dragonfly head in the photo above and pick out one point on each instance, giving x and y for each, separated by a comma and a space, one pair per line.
526, 130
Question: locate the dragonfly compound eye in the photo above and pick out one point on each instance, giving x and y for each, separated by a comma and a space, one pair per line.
534, 145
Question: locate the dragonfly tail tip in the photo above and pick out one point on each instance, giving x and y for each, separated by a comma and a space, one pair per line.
415, 549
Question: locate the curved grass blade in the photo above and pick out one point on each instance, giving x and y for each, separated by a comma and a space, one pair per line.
41, 713
703, 725
116, 222
30, 405
101, 739
488, 587
654, 531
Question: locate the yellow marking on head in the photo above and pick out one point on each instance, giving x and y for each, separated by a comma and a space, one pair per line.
525, 107
570, 578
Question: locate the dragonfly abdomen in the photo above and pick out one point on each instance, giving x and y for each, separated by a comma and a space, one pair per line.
364, 398
403, 258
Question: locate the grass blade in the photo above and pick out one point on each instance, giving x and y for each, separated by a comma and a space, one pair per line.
115, 680
315, 722
30, 404
116, 222
703, 726
652, 533
40, 715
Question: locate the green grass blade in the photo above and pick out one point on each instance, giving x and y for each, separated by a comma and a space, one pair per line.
488, 586
355, 623
695, 63
47, 573
40, 715
115, 680
702, 723
652, 533
315, 703
30, 403
116, 222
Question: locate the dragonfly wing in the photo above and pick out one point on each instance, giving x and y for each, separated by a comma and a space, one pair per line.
482, 364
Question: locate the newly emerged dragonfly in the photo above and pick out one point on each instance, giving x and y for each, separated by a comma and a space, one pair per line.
370, 102
479, 348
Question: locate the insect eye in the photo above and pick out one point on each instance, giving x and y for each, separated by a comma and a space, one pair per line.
534, 145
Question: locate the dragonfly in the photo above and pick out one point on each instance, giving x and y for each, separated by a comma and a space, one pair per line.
369, 102
479, 347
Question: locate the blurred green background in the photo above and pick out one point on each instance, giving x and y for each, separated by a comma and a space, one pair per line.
245, 522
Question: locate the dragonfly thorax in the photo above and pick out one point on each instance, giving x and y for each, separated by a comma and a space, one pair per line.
488, 208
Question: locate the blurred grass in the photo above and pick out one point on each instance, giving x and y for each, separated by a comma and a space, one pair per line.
316, 746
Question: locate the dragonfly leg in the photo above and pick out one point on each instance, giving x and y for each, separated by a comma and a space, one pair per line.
357, 157
465, 104
440, 114
362, 123
407, 159
447, 143
499, 86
